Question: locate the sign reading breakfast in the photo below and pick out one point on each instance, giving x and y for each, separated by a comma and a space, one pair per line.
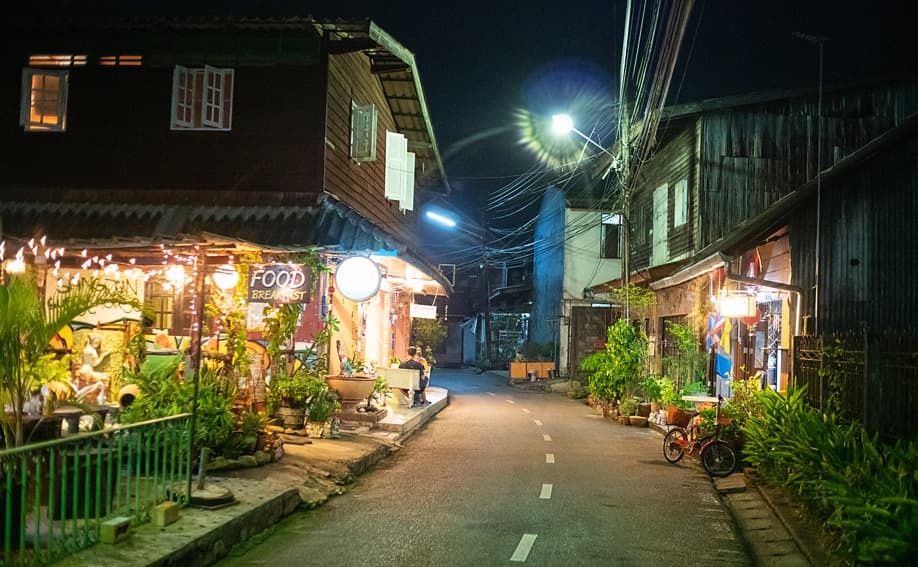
279, 283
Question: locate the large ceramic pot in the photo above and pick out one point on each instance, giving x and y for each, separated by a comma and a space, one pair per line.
292, 417
351, 390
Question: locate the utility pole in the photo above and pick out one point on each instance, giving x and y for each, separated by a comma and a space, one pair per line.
818, 41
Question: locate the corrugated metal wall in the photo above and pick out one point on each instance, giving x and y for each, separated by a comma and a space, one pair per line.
869, 237
753, 155
672, 162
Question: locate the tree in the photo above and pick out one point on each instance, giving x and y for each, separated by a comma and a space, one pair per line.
27, 327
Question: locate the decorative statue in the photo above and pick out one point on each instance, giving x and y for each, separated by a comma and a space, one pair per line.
95, 381
346, 368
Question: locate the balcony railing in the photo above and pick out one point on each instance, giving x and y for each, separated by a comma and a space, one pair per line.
56, 494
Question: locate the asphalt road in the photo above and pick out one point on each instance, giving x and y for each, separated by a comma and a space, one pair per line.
504, 477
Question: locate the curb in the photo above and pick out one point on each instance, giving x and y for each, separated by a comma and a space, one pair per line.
810, 547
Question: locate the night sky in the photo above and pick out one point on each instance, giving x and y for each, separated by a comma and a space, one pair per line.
482, 61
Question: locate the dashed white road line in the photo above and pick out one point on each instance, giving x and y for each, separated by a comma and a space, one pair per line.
550, 458
510, 401
523, 548
537, 422
492, 394
546, 437
526, 410
546, 492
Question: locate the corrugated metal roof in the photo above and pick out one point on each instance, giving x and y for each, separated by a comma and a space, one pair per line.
330, 225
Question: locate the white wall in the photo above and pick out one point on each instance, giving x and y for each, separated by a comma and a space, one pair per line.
582, 265
582, 268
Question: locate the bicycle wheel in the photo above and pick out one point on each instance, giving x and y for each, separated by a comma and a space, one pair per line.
718, 458
674, 444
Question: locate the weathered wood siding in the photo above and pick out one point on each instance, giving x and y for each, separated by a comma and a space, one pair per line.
361, 185
118, 134
753, 155
868, 267
672, 162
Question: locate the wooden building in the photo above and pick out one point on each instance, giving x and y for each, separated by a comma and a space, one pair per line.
236, 134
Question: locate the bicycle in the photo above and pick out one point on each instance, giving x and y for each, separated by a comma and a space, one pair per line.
716, 455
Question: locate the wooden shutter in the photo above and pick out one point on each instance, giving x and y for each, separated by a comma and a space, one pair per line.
396, 158
407, 202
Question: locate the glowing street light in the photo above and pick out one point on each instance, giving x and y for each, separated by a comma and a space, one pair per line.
561, 124
446, 221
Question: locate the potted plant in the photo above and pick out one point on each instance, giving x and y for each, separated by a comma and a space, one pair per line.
322, 408
617, 370
626, 409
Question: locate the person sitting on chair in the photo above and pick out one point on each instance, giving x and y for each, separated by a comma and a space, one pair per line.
420, 397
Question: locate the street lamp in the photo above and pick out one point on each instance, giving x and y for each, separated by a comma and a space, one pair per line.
561, 124
447, 222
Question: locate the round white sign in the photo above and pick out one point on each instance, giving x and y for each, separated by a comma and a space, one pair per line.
358, 278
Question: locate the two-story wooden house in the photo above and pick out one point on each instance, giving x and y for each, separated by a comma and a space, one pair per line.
724, 221
229, 135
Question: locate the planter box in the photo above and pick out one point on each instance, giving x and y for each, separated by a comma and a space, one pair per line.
638, 420
521, 370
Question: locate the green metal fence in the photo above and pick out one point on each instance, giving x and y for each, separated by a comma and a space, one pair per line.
56, 494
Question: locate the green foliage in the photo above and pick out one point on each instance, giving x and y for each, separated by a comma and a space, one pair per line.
638, 298
688, 364
252, 423
295, 390
429, 334
617, 370
50, 368
864, 490
323, 406
628, 407
27, 325
668, 392
163, 393
652, 388
833, 357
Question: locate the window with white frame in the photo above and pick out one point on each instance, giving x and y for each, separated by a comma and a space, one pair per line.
610, 239
202, 99
363, 132
680, 203
43, 106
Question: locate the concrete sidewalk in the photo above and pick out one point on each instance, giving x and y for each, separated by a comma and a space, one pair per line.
306, 476
777, 535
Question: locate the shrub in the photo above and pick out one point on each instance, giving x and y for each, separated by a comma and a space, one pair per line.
863, 490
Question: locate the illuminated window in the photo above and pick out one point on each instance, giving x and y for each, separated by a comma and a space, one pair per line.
121, 60
202, 99
610, 239
57, 60
43, 106
168, 307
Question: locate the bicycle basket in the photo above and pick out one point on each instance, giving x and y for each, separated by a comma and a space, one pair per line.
676, 416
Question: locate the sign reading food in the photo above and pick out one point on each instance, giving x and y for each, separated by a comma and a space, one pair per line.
279, 283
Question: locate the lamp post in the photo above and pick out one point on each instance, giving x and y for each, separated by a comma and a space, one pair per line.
561, 124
